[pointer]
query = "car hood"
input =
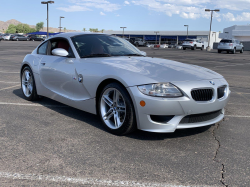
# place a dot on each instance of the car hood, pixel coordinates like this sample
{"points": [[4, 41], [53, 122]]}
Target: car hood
{"points": [[159, 70]]}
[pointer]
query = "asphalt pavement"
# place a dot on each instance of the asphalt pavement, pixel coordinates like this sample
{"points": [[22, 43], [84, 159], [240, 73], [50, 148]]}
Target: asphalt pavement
{"points": [[46, 143]]}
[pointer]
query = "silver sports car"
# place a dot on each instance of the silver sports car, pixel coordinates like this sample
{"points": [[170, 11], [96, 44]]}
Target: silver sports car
{"points": [[106, 75]]}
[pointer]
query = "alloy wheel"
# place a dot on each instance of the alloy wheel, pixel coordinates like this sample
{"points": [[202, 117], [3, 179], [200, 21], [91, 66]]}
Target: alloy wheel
{"points": [[27, 83], [113, 108]]}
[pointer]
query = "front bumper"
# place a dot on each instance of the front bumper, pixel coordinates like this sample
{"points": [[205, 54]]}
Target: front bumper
{"points": [[178, 107]]}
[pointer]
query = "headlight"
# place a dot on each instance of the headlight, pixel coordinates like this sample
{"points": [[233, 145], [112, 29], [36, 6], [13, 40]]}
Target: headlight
{"points": [[160, 90]]}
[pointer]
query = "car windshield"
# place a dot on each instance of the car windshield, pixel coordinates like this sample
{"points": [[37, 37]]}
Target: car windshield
{"points": [[226, 41], [100, 45], [188, 40]]}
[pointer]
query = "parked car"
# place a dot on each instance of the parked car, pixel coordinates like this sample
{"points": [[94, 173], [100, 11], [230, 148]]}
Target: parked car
{"points": [[1, 36], [138, 42], [179, 47], [192, 44], [164, 46], [230, 45], [172, 45], [20, 38], [7, 36], [105, 75], [13, 36]]}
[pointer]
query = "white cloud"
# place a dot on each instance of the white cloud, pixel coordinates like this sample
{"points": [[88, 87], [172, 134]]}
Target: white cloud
{"points": [[126, 2], [74, 8], [102, 14], [83, 5], [171, 7], [232, 4], [244, 16]]}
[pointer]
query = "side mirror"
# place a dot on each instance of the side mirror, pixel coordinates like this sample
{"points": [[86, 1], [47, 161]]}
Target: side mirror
{"points": [[60, 52], [143, 53]]}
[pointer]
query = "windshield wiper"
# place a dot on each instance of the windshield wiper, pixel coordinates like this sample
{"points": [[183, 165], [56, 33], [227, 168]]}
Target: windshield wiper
{"points": [[96, 55], [132, 55]]}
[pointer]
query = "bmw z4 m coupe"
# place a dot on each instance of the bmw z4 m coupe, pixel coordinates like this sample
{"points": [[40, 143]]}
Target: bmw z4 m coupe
{"points": [[106, 75]]}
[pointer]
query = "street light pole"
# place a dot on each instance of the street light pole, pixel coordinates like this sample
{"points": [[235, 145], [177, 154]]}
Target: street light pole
{"points": [[123, 31], [212, 11], [47, 3], [60, 23], [156, 36], [187, 29]]}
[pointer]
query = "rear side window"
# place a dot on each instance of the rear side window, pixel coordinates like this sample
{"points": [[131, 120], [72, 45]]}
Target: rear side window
{"points": [[226, 41], [42, 50]]}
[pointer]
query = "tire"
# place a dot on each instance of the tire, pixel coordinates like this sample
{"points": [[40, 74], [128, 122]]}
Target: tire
{"points": [[227, 52], [202, 47], [219, 51], [242, 50], [184, 48], [125, 114], [33, 40], [27, 39], [30, 93], [234, 51], [16, 39], [137, 44]]}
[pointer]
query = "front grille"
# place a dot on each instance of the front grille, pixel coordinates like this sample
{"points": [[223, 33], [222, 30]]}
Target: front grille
{"points": [[221, 92], [202, 94], [196, 118]]}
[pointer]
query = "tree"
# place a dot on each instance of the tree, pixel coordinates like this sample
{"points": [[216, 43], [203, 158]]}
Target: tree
{"points": [[64, 29], [11, 29], [39, 26], [19, 28], [102, 30], [32, 30], [84, 29]]}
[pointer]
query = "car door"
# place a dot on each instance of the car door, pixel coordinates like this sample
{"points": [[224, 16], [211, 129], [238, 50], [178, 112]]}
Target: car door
{"points": [[56, 72]]}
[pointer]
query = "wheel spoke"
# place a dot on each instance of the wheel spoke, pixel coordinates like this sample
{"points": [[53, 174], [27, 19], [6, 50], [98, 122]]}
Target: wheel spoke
{"points": [[108, 115], [115, 97], [27, 75], [107, 100], [26, 90], [116, 120], [29, 87]]}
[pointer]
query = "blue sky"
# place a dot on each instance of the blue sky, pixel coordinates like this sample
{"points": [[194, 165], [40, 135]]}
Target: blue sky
{"points": [[134, 14]]}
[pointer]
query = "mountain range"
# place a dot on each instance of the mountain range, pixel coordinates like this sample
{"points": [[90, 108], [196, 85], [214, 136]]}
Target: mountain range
{"points": [[4, 26]]}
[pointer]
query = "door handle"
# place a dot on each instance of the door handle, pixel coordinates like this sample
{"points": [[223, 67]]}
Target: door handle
{"points": [[43, 63]]}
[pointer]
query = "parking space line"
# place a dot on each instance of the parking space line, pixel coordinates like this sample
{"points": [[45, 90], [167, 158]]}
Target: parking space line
{"points": [[235, 116], [8, 72], [9, 82], [84, 181], [9, 87], [27, 104]]}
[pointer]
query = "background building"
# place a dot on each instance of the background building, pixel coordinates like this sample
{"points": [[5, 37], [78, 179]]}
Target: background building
{"points": [[239, 32], [168, 36]]}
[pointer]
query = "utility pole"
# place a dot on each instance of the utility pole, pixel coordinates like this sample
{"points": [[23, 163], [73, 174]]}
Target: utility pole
{"points": [[60, 23], [187, 29], [212, 11], [156, 36], [123, 31], [47, 3]]}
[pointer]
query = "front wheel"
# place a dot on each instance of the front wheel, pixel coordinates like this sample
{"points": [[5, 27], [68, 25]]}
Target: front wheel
{"points": [[28, 85], [184, 48], [242, 50], [16, 39], [202, 47], [116, 109], [219, 51]]}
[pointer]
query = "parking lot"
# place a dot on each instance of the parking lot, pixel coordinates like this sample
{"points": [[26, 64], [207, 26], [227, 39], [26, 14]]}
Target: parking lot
{"points": [[47, 143]]}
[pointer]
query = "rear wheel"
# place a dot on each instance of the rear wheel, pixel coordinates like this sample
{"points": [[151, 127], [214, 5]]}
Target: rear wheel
{"points": [[219, 51], [184, 48], [16, 39], [202, 47], [242, 50], [116, 109], [28, 84], [234, 51], [137, 44]]}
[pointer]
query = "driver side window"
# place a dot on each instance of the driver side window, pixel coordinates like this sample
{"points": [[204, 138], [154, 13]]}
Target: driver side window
{"points": [[60, 43]]}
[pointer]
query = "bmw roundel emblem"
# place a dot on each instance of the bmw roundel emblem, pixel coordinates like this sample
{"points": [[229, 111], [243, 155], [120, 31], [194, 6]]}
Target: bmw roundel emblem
{"points": [[212, 82]]}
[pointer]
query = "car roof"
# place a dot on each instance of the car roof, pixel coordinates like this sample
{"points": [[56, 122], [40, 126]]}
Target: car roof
{"points": [[71, 34]]}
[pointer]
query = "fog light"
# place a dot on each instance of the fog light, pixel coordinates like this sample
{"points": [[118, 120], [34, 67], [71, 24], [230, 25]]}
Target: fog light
{"points": [[142, 103]]}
